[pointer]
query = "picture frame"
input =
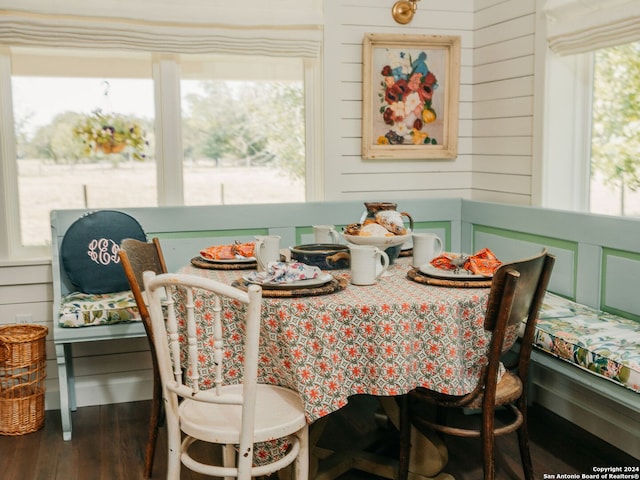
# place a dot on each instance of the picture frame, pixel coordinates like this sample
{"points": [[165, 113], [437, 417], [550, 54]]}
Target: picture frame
{"points": [[410, 96]]}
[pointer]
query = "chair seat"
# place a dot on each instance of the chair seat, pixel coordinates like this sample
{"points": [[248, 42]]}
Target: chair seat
{"points": [[279, 412], [508, 390]]}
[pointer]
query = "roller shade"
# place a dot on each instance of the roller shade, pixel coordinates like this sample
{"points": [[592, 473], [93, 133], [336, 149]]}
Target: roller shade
{"points": [[579, 26], [62, 30]]}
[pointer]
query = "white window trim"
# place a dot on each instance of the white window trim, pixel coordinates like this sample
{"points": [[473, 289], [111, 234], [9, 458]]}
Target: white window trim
{"points": [[567, 132], [9, 212]]}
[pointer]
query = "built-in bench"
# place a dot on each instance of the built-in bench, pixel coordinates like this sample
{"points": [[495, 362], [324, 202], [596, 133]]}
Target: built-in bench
{"points": [[597, 266]]}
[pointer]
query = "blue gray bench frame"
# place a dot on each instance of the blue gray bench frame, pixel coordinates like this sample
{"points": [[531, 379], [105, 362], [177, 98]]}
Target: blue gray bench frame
{"points": [[596, 257]]}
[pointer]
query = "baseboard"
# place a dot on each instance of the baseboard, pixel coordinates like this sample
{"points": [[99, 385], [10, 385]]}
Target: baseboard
{"points": [[104, 389], [591, 410]]}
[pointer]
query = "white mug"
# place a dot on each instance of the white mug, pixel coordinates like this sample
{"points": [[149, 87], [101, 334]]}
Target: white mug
{"points": [[368, 263], [267, 250], [426, 246], [325, 234]]}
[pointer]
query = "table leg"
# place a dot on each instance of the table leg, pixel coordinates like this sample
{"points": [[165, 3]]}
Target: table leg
{"points": [[429, 454]]}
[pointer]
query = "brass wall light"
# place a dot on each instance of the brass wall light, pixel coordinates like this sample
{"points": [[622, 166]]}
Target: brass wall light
{"points": [[403, 10]]}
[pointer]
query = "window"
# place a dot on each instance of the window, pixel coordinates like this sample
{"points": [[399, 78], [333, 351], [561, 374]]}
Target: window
{"points": [[591, 132], [241, 136], [588, 97], [57, 167], [615, 139], [243, 129]]}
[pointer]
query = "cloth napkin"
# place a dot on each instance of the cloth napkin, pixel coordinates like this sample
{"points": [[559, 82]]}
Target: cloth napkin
{"points": [[484, 262], [283, 272]]}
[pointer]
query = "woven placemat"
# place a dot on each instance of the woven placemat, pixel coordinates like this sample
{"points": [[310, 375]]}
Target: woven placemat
{"points": [[200, 263], [417, 276], [335, 285]]}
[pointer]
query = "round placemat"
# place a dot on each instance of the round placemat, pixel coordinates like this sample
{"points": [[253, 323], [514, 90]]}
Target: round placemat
{"points": [[200, 263], [417, 276], [335, 285]]}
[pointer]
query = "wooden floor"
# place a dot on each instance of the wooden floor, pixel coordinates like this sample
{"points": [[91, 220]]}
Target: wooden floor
{"points": [[108, 444]]}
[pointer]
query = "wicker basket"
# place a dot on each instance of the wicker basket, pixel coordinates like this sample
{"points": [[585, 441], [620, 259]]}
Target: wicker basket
{"points": [[22, 375]]}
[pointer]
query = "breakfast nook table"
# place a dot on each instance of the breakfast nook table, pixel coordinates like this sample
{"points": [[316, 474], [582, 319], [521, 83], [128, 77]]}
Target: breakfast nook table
{"points": [[382, 340]]}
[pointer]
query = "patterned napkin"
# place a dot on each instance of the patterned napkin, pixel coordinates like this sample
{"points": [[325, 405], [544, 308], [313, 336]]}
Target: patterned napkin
{"points": [[484, 262], [283, 272]]}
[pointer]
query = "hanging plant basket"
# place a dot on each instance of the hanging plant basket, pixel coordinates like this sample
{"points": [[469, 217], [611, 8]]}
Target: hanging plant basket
{"points": [[107, 148], [109, 133]]}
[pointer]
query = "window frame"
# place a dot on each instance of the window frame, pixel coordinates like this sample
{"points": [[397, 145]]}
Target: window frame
{"points": [[169, 155], [566, 120]]}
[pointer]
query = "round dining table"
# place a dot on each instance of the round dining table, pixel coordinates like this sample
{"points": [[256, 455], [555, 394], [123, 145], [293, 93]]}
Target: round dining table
{"points": [[384, 339]]}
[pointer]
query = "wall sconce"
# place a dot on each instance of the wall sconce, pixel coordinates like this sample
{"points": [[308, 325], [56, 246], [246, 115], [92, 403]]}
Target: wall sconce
{"points": [[403, 10]]}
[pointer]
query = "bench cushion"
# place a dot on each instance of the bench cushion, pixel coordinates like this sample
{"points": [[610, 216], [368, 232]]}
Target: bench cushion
{"points": [[82, 309], [604, 344]]}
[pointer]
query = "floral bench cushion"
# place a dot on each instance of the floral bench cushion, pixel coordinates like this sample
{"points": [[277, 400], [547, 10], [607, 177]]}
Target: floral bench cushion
{"points": [[85, 309], [604, 344]]}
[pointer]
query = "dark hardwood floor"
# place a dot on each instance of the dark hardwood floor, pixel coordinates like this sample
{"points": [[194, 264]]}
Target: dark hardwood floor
{"points": [[108, 444]]}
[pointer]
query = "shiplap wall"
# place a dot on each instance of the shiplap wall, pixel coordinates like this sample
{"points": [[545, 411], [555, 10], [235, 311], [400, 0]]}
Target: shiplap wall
{"points": [[494, 161], [503, 86], [348, 176]]}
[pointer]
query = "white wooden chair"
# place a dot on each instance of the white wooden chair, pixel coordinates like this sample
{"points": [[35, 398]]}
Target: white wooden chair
{"points": [[235, 416]]}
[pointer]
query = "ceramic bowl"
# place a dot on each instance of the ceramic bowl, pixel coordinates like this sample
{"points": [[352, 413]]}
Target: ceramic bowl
{"points": [[327, 256]]}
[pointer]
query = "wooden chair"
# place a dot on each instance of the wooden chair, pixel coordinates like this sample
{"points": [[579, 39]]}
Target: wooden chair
{"points": [[136, 258], [235, 416], [517, 292]]}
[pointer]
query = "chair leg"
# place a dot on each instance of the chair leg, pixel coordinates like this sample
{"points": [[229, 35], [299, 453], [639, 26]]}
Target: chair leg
{"points": [[154, 422], [488, 444], [523, 442], [229, 458], [405, 438], [301, 470], [173, 449]]}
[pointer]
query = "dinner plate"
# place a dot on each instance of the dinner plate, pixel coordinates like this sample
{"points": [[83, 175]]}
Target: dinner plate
{"points": [[460, 274], [238, 259], [321, 279]]}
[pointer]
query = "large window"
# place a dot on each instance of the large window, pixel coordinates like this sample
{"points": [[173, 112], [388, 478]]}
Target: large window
{"points": [[238, 135], [243, 129], [615, 138], [592, 131], [63, 105]]}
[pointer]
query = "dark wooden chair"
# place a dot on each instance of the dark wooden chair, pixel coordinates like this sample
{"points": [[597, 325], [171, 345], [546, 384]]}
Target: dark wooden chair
{"points": [[517, 292], [138, 257]]}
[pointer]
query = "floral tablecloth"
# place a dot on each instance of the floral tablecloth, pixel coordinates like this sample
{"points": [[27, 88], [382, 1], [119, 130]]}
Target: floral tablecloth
{"points": [[384, 339]]}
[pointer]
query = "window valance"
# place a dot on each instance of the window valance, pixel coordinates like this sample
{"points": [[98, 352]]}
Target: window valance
{"points": [[62, 30], [579, 26]]}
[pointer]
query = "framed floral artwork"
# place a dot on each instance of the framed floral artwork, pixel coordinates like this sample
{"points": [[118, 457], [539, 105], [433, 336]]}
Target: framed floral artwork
{"points": [[410, 96]]}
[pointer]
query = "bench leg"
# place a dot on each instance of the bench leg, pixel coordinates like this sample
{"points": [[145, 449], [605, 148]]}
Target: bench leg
{"points": [[66, 385]]}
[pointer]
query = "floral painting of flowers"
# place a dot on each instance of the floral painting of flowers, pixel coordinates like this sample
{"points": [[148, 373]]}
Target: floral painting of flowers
{"points": [[410, 96], [406, 96]]}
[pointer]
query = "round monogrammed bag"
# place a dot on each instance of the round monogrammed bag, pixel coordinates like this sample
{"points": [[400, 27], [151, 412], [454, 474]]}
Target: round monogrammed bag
{"points": [[90, 248]]}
